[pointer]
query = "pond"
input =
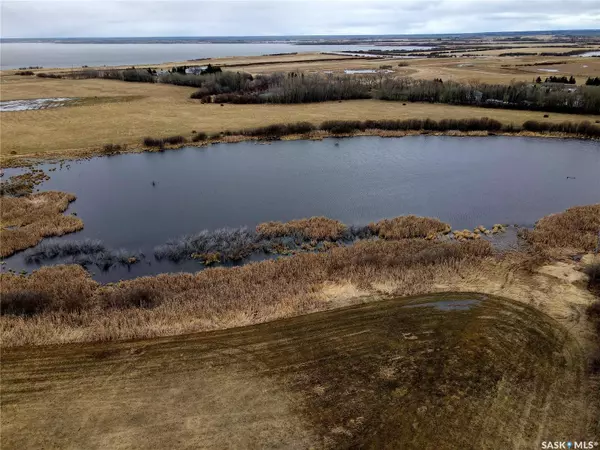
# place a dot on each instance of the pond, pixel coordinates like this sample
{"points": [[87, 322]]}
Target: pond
{"points": [[139, 201]]}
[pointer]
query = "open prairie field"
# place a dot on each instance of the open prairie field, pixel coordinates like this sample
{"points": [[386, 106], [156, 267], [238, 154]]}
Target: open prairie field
{"points": [[117, 112], [446, 371]]}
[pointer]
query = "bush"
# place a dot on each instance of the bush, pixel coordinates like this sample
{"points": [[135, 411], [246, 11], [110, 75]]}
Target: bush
{"points": [[279, 129], [112, 149], [137, 75], [584, 128], [24, 303], [25, 73], [136, 297], [342, 126], [174, 140], [48, 75], [152, 142], [200, 136], [171, 140]]}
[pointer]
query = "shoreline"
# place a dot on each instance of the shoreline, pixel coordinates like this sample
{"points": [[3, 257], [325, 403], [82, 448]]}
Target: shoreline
{"points": [[30, 160]]}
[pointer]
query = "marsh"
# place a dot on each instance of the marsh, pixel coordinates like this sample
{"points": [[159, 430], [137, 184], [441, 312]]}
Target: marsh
{"points": [[140, 201]]}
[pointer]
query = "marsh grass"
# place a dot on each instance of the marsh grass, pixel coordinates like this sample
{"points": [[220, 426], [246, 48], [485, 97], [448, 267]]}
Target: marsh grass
{"points": [[232, 244], [33, 218], [319, 228], [23, 184], [407, 227], [85, 252], [171, 140], [576, 229], [223, 297]]}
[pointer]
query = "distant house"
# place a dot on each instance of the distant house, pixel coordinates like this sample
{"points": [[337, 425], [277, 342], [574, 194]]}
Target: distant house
{"points": [[196, 70]]}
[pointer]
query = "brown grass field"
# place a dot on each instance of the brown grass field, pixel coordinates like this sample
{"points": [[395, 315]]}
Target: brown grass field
{"points": [[497, 375]]}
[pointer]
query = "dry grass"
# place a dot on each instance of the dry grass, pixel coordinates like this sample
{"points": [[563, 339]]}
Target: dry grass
{"points": [[90, 126], [318, 228], [575, 229], [223, 298], [483, 378], [407, 227], [27, 220]]}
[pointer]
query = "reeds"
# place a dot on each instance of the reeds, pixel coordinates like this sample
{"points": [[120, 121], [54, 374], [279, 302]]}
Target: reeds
{"points": [[576, 229], [318, 228], [232, 244], [222, 297], [85, 252], [407, 227], [27, 220], [161, 142]]}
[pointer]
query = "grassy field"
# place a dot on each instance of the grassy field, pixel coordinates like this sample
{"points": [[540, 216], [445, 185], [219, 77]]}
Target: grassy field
{"points": [[164, 110], [494, 374]]}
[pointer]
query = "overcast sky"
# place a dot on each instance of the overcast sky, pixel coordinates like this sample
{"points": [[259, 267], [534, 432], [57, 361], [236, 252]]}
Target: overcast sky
{"points": [[108, 18]]}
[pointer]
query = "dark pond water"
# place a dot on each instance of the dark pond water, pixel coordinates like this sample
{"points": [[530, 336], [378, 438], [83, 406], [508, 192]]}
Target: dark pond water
{"points": [[466, 181]]}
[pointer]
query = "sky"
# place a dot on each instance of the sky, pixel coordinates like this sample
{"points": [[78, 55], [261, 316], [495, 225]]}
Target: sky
{"points": [[141, 18]]}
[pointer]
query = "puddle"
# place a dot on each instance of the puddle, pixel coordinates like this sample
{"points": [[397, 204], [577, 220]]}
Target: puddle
{"points": [[448, 305], [548, 70], [353, 71], [38, 103]]}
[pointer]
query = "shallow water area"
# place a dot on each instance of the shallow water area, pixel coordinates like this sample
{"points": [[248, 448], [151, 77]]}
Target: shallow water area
{"points": [[37, 103]]}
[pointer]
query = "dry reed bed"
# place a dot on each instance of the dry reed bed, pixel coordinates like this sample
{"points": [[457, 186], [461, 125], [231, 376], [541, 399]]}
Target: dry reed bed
{"points": [[78, 309], [34, 217], [576, 229], [406, 227], [318, 228]]}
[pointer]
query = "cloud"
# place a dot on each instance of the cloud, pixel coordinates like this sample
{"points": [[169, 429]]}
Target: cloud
{"points": [[106, 18]]}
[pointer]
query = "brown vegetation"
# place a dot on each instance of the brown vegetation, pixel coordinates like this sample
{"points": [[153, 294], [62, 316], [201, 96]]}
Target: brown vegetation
{"points": [[222, 298], [27, 220], [575, 229], [407, 227], [318, 228]]}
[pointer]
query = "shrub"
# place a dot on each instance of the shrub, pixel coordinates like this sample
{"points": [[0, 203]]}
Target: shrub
{"points": [[152, 142], [112, 149], [342, 126], [24, 303], [48, 75], [175, 140], [279, 129], [135, 297], [200, 136], [584, 128], [25, 73]]}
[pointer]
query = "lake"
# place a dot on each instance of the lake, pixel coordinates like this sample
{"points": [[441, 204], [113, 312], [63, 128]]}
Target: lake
{"points": [[46, 54], [139, 201]]}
